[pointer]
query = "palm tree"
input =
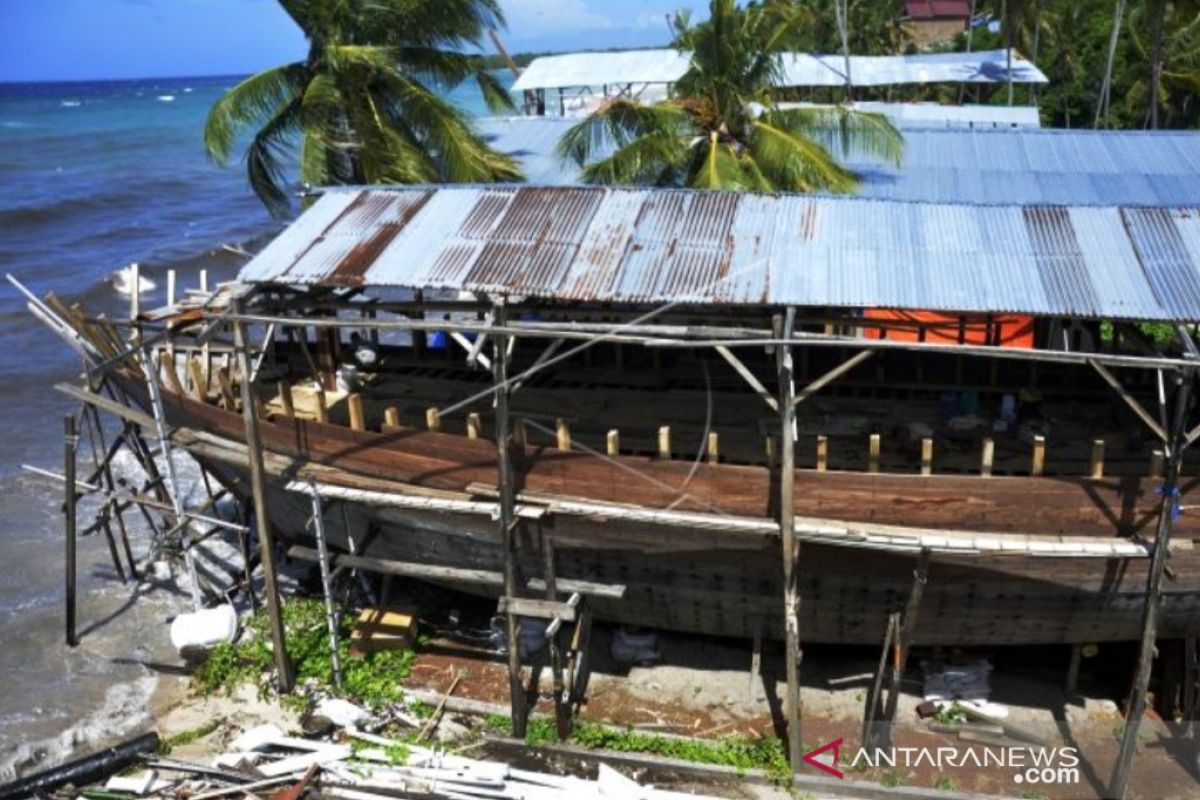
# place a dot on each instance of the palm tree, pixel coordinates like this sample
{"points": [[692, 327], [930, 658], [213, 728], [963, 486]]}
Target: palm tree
{"points": [[722, 128], [362, 107]]}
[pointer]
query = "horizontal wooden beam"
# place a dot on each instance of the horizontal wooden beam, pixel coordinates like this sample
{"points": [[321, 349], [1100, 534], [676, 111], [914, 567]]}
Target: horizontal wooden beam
{"points": [[105, 404], [541, 609]]}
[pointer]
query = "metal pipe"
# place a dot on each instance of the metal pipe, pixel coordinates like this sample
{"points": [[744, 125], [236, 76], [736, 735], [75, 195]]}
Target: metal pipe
{"points": [[70, 438], [326, 581]]}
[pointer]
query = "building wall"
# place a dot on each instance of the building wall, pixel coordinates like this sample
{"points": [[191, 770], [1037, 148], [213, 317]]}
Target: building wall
{"points": [[928, 31]]}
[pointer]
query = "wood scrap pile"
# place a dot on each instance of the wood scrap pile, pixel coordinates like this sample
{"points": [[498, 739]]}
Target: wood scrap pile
{"points": [[266, 764]]}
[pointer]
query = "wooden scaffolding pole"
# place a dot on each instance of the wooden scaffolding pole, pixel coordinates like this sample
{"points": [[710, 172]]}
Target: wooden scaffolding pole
{"points": [[70, 438], [787, 530], [508, 518], [258, 490], [1168, 510]]}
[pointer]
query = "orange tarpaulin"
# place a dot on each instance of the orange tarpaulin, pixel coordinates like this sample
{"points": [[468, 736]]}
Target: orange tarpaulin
{"points": [[1002, 330]]}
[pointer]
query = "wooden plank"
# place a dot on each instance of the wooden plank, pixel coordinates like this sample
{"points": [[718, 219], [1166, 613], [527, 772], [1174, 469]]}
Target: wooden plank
{"points": [[988, 456], [225, 385], [391, 417], [474, 425], [433, 419], [562, 433], [541, 609], [873, 454], [664, 442], [199, 388], [612, 442], [104, 404], [520, 435], [167, 363], [354, 405], [926, 457], [322, 405], [1156, 464], [1096, 468], [822, 453], [713, 448], [790, 549], [1038, 463]]}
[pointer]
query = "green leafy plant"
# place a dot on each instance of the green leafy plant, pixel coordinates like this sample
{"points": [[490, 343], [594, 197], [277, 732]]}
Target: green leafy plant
{"points": [[946, 784], [952, 714], [182, 738], [372, 679], [892, 779]]}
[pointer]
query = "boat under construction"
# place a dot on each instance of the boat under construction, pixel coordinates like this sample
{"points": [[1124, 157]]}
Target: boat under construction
{"points": [[704, 411]]}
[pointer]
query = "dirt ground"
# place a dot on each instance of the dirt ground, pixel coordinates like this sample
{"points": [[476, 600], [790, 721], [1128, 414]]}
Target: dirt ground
{"points": [[704, 687]]}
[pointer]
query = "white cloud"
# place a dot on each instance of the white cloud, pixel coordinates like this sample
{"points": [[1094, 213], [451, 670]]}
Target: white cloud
{"points": [[528, 18]]}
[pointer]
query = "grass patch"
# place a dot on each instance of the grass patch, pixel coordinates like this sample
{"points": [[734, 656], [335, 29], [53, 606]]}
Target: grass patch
{"points": [[741, 753], [946, 784], [182, 738], [893, 779], [371, 680]]}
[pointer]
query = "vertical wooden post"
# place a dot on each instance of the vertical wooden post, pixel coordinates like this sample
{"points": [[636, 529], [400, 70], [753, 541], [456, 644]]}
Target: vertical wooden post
{"points": [[822, 453], [262, 519], [989, 454], [508, 518], [322, 406], [562, 434], [1038, 465], [1167, 511], [873, 454], [391, 417], [204, 281], [167, 362], [1096, 468], [354, 405], [199, 384], [905, 637], [433, 420], [520, 436], [70, 439], [135, 301], [714, 448], [787, 531], [1156, 464], [927, 457], [285, 398], [474, 425], [612, 442], [1072, 682], [664, 442], [170, 288]]}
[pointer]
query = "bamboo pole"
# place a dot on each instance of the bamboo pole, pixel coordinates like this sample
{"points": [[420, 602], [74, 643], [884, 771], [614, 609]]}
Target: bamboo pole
{"points": [[927, 457], [714, 448], [262, 517], [822, 453], [873, 454], [562, 433], [612, 442], [1096, 468], [664, 442], [1038, 464]]}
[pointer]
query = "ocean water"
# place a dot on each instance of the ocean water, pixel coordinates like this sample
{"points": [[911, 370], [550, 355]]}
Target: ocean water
{"points": [[94, 176]]}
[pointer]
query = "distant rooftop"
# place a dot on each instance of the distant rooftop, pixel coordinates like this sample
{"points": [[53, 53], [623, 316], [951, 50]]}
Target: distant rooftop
{"points": [[1021, 166], [665, 66], [937, 9]]}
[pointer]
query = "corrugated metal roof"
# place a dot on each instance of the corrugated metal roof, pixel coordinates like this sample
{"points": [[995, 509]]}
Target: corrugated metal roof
{"points": [[661, 245], [799, 69], [1018, 166], [935, 115]]}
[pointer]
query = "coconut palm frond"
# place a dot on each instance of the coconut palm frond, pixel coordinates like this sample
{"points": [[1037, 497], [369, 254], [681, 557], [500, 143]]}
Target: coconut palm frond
{"points": [[795, 163], [266, 154], [851, 134], [616, 124], [252, 102], [718, 166], [654, 159]]}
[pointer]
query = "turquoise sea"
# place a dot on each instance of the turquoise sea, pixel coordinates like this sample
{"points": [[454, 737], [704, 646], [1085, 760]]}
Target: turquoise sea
{"points": [[93, 176]]}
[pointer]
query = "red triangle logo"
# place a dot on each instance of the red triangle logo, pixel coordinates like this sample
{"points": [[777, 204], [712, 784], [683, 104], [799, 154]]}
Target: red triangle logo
{"points": [[810, 758]]}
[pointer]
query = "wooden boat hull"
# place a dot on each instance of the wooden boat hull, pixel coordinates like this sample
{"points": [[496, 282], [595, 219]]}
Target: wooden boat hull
{"points": [[711, 582]]}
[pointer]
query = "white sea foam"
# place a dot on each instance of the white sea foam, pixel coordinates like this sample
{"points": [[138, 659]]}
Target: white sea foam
{"points": [[123, 711], [166, 98], [71, 103], [122, 281]]}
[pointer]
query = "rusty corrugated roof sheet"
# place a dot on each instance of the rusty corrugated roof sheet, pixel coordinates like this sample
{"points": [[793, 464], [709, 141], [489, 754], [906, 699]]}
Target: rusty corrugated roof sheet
{"points": [[661, 245]]}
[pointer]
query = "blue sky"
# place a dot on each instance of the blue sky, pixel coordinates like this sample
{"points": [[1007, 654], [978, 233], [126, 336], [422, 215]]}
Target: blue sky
{"points": [[86, 39]]}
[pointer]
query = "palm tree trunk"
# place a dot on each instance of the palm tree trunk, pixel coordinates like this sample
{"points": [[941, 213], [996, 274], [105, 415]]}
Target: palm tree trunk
{"points": [[1159, 9], [843, 11], [962, 87], [1006, 22], [1037, 44], [1106, 88]]}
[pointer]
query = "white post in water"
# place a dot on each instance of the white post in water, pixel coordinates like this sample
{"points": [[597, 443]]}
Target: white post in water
{"points": [[170, 288]]}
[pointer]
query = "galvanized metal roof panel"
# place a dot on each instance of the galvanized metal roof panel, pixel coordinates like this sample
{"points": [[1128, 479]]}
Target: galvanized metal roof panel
{"points": [[593, 70], [655, 246]]}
